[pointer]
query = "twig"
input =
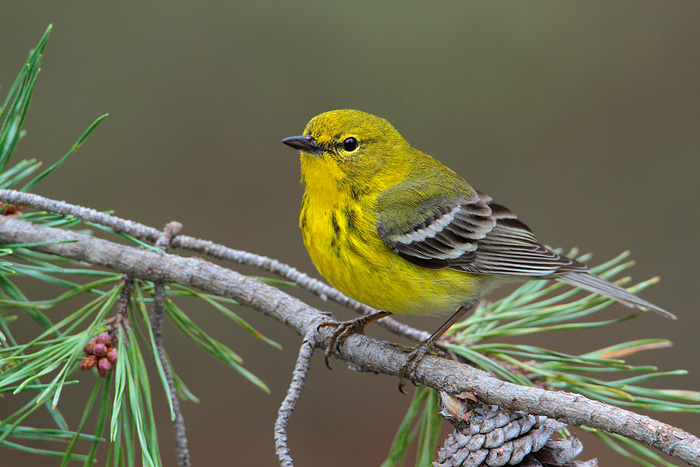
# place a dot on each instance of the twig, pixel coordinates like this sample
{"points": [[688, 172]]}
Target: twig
{"points": [[168, 236], [146, 233], [160, 296], [121, 320], [301, 370], [359, 352]]}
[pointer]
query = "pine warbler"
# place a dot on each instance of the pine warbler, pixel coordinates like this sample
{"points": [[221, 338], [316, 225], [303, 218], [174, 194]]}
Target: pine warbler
{"points": [[395, 229]]}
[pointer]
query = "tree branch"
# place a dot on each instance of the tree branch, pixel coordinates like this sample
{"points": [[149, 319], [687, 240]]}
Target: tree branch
{"points": [[146, 233], [359, 352], [160, 296], [301, 370]]}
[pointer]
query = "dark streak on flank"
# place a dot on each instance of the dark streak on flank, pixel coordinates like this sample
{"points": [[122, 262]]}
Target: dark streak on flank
{"points": [[335, 246], [304, 209], [351, 217], [336, 227], [357, 192]]}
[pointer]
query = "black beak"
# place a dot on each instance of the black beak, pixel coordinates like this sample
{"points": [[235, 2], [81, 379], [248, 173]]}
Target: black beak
{"points": [[304, 143]]}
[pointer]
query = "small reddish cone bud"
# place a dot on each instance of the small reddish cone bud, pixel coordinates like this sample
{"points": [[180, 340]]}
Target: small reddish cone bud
{"points": [[112, 355], [88, 362], [90, 346], [104, 338], [100, 350], [103, 366]]}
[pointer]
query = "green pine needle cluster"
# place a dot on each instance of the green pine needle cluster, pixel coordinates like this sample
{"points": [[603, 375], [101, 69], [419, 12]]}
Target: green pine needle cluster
{"points": [[120, 405], [538, 307], [541, 306]]}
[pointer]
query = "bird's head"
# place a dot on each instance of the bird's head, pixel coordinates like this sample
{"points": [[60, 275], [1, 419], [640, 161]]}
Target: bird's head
{"points": [[356, 142]]}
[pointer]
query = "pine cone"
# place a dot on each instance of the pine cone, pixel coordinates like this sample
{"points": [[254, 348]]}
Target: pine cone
{"points": [[490, 436]]}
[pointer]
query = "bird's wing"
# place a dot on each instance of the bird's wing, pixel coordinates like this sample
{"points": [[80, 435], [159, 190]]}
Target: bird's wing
{"points": [[467, 232], [470, 232]]}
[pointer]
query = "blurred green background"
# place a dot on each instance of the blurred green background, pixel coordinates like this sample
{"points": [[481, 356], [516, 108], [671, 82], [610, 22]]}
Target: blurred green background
{"points": [[582, 117]]}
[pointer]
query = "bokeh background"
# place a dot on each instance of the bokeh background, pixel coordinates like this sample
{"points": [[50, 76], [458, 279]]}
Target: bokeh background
{"points": [[582, 117]]}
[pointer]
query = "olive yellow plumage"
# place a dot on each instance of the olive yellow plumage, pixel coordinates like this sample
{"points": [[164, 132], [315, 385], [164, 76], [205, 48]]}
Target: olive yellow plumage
{"points": [[395, 229], [339, 226]]}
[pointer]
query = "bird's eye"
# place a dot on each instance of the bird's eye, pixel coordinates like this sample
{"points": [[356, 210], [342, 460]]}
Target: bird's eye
{"points": [[350, 144]]}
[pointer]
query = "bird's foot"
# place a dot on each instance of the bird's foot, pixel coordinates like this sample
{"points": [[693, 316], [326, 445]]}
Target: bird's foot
{"points": [[415, 356], [344, 329]]}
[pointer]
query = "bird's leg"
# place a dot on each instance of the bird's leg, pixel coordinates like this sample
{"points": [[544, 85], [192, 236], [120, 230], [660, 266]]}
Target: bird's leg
{"points": [[344, 329], [419, 352]]}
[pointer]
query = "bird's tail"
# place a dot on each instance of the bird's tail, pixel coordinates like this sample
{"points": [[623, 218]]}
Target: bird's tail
{"points": [[587, 281]]}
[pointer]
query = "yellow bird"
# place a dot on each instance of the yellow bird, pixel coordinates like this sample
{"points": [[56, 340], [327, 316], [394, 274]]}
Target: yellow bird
{"points": [[391, 227]]}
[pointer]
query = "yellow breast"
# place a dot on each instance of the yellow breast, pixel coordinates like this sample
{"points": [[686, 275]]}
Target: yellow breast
{"points": [[339, 229]]}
